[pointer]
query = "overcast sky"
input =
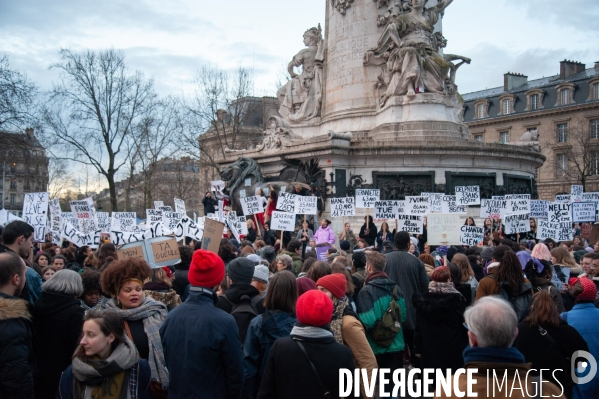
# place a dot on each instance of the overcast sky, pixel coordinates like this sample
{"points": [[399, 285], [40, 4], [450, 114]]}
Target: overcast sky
{"points": [[169, 40]]}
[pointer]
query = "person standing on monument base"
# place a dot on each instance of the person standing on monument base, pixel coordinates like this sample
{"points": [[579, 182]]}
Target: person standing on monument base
{"points": [[324, 234], [368, 232], [210, 203]]}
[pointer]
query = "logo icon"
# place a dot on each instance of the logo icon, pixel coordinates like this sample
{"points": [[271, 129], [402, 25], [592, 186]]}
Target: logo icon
{"points": [[583, 363]]}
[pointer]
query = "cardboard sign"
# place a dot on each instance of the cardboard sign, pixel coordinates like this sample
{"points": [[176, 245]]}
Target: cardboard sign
{"points": [[467, 195], [517, 204], [286, 202], [435, 201], [576, 193], [306, 205], [134, 250], [180, 206], [416, 205], [123, 221], [584, 212], [449, 205], [560, 212], [157, 252], [35, 213], [367, 198], [126, 237], [443, 229], [282, 221], [563, 198], [561, 231], [515, 224], [213, 233], [471, 235], [493, 208], [251, 205], [539, 209], [413, 224], [342, 207], [385, 210]]}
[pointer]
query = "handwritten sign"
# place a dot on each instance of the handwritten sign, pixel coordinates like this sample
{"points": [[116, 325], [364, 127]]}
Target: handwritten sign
{"points": [[449, 205], [342, 207], [126, 237], [251, 205], [435, 201], [282, 221], [217, 185], [467, 195], [104, 221], [213, 233], [443, 228], [471, 235], [584, 212], [156, 251], [80, 239], [158, 204], [493, 208], [306, 205], [134, 250], [560, 212], [166, 250], [188, 228], [413, 224], [35, 213], [55, 220], [180, 206], [286, 202], [539, 209], [154, 216], [517, 204], [416, 205], [563, 198], [123, 221], [590, 197], [366, 198], [171, 220], [385, 210], [576, 193], [561, 231], [516, 223]]}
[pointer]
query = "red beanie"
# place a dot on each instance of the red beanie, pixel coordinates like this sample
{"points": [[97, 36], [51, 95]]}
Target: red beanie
{"points": [[206, 270], [314, 308], [590, 290], [335, 283]]}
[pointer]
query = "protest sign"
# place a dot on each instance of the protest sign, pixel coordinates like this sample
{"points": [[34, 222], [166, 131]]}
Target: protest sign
{"points": [[251, 205], [471, 235], [6, 217], [443, 228], [104, 221], [85, 214], [518, 223], [385, 210], [157, 252], [413, 224], [342, 207], [35, 213], [321, 252], [561, 231], [179, 206], [241, 225], [590, 197], [242, 193], [449, 205], [467, 195], [123, 221], [517, 204], [80, 239], [68, 217], [584, 212], [133, 250], [188, 228], [55, 220], [282, 221], [166, 208], [233, 229], [416, 205], [563, 198], [171, 220], [158, 204], [576, 193], [366, 198], [585, 230], [286, 202], [539, 209], [213, 233], [306, 205], [560, 212], [492, 208], [434, 201], [126, 237], [154, 216], [217, 185]]}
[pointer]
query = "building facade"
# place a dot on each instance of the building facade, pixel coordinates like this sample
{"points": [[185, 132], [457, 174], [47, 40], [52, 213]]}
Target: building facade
{"points": [[563, 110]]}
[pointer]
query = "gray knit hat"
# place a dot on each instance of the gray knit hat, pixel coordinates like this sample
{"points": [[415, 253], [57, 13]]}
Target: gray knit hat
{"points": [[241, 270], [261, 274], [267, 253]]}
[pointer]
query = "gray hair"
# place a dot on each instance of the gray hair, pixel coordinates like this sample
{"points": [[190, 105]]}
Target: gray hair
{"points": [[65, 282], [286, 259], [493, 321]]}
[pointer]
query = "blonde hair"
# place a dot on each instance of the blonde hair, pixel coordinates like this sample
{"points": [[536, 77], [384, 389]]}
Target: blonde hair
{"points": [[461, 261], [563, 257], [250, 223]]}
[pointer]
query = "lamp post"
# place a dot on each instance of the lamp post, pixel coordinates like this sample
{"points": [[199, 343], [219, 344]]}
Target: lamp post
{"points": [[4, 175]]}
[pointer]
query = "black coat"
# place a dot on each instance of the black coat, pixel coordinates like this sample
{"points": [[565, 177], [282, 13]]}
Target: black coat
{"points": [[371, 237], [16, 349], [251, 235], [57, 322], [288, 373], [180, 282], [440, 335], [209, 204], [478, 271]]}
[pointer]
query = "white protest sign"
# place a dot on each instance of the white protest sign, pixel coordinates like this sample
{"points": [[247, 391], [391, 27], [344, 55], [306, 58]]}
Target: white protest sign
{"points": [[563, 198], [467, 195], [242, 225], [154, 216], [242, 193], [385, 210], [342, 207], [68, 217], [492, 208], [366, 198], [81, 209], [85, 214], [584, 212], [576, 193], [515, 224], [251, 205], [217, 185], [413, 224], [560, 212], [221, 211], [471, 235], [55, 220], [165, 208], [80, 239], [158, 204], [443, 228], [449, 205], [171, 220], [590, 197], [179, 205], [233, 229], [126, 237], [434, 201], [6, 217], [561, 231], [401, 207], [517, 204], [282, 221], [248, 182], [306, 205], [539, 209], [416, 205], [286, 202], [188, 228], [123, 221], [104, 222], [35, 212]]}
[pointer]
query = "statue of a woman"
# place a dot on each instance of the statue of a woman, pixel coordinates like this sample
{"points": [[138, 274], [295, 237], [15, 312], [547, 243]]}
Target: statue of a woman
{"points": [[407, 47], [301, 97]]}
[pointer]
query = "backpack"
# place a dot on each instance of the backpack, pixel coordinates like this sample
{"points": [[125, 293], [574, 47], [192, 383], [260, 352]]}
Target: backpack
{"points": [[386, 328], [360, 278], [520, 303], [244, 312]]}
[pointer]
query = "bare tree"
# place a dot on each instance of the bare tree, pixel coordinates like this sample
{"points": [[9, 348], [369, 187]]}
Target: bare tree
{"points": [[59, 178], [92, 112], [17, 96], [179, 178]]}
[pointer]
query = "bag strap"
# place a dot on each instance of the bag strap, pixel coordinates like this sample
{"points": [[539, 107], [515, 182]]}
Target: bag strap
{"points": [[327, 394], [545, 334], [127, 330]]}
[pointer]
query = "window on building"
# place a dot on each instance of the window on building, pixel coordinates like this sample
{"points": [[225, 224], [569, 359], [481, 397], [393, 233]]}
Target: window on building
{"points": [[594, 167], [27, 185], [481, 111], [561, 162], [534, 102], [507, 106], [565, 96], [562, 133], [504, 137], [596, 91], [595, 128], [478, 137], [13, 199], [13, 183]]}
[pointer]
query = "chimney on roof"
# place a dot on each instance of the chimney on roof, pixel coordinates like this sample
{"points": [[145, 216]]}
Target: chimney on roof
{"points": [[29, 132], [569, 68], [512, 80], [596, 64]]}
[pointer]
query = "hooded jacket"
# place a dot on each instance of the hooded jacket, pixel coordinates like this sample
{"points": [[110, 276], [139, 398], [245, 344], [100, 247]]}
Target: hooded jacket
{"points": [[297, 261], [373, 301], [489, 285], [324, 235], [16, 349], [57, 322], [162, 293], [263, 331], [234, 294]]}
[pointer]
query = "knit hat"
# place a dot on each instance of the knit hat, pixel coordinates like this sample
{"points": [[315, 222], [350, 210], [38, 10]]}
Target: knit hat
{"points": [[304, 284], [241, 270], [487, 254], [267, 253], [254, 258], [261, 274], [590, 290], [345, 245], [314, 308], [335, 283], [206, 270], [168, 271], [451, 252]]}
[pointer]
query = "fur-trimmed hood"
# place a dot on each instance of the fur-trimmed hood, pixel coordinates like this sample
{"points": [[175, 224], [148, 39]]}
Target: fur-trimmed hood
{"points": [[13, 308]]}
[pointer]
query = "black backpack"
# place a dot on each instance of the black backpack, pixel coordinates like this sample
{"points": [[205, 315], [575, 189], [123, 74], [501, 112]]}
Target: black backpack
{"points": [[520, 303], [388, 326], [244, 312]]}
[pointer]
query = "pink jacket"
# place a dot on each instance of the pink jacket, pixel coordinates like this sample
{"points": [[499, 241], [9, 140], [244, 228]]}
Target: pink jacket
{"points": [[324, 235]]}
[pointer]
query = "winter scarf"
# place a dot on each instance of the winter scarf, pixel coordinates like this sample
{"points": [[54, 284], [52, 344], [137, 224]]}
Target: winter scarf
{"points": [[337, 319], [493, 355], [153, 314], [302, 331], [99, 305], [374, 275], [105, 376], [442, 288]]}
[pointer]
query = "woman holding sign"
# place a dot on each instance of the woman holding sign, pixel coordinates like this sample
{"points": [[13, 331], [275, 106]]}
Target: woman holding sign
{"points": [[368, 231], [384, 235], [271, 204]]}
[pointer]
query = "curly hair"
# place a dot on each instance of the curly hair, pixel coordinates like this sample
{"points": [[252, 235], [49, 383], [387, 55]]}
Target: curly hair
{"points": [[121, 271], [186, 253], [91, 281], [510, 271]]}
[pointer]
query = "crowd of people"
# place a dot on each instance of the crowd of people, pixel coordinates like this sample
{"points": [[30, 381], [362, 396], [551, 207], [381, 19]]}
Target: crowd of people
{"points": [[265, 317]]}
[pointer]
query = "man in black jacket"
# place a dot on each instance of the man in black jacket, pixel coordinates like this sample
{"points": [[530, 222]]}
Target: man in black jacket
{"points": [[16, 350], [210, 204]]}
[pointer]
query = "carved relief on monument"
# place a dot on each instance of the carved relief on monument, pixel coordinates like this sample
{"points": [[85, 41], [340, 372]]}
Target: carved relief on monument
{"points": [[341, 5], [301, 97], [530, 139], [276, 134], [486, 182], [397, 186]]}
